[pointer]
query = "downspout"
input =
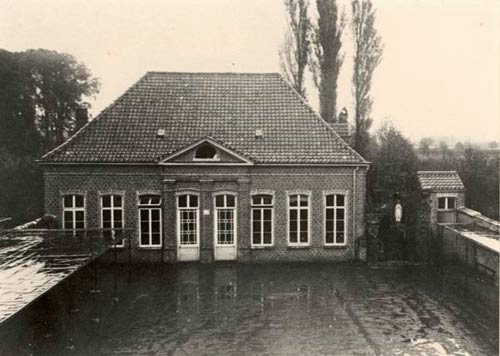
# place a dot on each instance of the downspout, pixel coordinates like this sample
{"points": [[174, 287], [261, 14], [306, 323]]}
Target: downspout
{"points": [[354, 211]]}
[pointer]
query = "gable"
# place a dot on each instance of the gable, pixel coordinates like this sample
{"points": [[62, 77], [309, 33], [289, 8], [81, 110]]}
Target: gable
{"points": [[206, 152]]}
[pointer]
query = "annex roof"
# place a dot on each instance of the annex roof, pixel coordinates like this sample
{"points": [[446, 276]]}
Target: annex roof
{"points": [[440, 180], [228, 107]]}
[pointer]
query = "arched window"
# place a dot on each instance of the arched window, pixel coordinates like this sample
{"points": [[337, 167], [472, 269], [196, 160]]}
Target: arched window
{"points": [[225, 219], [188, 219], [206, 152]]}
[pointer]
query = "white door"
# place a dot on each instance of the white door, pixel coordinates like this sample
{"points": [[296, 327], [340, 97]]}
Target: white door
{"points": [[188, 227], [225, 227]]}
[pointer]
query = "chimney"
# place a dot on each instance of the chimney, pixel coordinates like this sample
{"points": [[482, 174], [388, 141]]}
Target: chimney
{"points": [[81, 118], [341, 126]]}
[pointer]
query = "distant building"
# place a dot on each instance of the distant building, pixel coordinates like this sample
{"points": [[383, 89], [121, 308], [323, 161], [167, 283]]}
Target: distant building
{"points": [[212, 166]]}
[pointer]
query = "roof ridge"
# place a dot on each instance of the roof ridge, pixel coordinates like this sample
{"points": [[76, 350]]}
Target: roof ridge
{"points": [[214, 73], [99, 116], [322, 121], [438, 172]]}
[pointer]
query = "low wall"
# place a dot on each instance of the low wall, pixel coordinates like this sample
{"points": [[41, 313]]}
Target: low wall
{"points": [[469, 216], [458, 247]]}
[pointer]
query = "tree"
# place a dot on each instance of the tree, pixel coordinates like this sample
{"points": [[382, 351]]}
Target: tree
{"points": [[459, 147], [17, 125], [39, 93], [394, 166], [481, 179], [327, 43], [443, 148], [493, 145], [424, 146], [58, 86], [394, 173], [367, 55], [294, 52]]}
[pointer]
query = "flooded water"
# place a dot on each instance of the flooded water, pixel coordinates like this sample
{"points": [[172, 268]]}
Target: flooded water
{"points": [[32, 262], [285, 309]]}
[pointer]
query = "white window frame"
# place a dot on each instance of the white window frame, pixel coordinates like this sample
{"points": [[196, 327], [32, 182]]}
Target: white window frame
{"points": [[261, 208], [446, 196], [309, 218], [112, 208], [235, 217], [346, 216], [73, 209], [178, 219], [149, 208]]}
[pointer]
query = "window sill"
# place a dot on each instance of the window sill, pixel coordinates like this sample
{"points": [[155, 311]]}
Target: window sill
{"points": [[340, 247], [298, 247], [262, 247], [149, 247]]}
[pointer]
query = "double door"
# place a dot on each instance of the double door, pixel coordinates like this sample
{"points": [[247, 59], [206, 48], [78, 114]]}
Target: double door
{"points": [[224, 227]]}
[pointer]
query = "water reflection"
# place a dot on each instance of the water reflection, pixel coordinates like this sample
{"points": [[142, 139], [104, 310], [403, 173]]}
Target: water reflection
{"points": [[248, 310]]}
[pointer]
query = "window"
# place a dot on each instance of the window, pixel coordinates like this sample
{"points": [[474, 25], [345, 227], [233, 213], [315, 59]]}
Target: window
{"points": [[187, 219], [447, 203], [73, 212], [206, 152], [149, 221], [262, 220], [298, 219], [335, 219], [225, 215], [112, 216]]}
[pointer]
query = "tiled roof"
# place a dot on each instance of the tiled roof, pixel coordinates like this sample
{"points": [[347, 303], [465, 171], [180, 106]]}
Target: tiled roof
{"points": [[229, 107], [440, 180], [341, 128]]}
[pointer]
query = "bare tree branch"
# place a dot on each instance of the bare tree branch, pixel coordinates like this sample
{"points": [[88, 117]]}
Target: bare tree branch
{"points": [[294, 51]]}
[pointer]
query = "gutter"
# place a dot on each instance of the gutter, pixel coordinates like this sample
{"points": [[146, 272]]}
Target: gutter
{"points": [[354, 210]]}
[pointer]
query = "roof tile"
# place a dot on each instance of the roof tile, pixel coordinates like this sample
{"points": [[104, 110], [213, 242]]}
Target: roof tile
{"points": [[440, 180]]}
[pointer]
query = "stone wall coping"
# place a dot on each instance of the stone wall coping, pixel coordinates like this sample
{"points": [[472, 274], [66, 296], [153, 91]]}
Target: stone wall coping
{"points": [[479, 218]]}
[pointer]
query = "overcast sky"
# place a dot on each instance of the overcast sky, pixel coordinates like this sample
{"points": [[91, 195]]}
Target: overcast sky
{"points": [[440, 75]]}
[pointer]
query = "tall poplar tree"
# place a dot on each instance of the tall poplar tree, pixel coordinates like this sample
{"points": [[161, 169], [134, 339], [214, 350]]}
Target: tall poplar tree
{"points": [[327, 44], [368, 50]]}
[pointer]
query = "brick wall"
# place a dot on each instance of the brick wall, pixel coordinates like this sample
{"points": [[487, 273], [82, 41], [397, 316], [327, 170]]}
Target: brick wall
{"points": [[205, 181]]}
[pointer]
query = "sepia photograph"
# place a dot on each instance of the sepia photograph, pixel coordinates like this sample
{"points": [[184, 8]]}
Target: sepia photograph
{"points": [[249, 177]]}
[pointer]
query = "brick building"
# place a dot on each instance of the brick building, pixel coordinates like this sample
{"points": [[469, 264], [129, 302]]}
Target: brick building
{"points": [[446, 194], [212, 166]]}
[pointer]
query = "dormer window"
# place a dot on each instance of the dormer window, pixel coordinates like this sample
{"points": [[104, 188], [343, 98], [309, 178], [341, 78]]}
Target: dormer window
{"points": [[206, 153]]}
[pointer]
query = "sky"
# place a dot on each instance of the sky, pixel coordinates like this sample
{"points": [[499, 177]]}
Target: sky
{"points": [[440, 73]]}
